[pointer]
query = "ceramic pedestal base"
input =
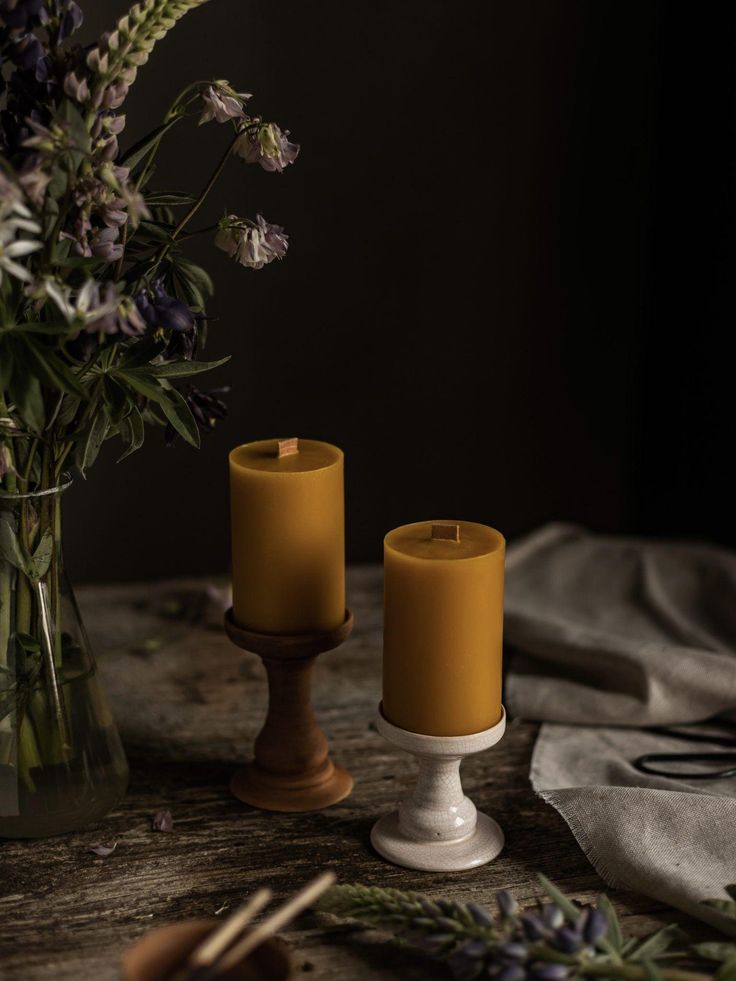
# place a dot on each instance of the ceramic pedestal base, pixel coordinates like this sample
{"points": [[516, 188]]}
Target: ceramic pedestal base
{"points": [[438, 829]]}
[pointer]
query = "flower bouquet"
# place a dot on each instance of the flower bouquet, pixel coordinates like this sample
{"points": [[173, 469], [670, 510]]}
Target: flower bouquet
{"points": [[102, 321]]}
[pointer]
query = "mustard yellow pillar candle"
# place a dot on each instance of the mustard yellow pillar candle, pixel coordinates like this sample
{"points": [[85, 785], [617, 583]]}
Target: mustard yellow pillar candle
{"points": [[288, 536], [443, 627]]}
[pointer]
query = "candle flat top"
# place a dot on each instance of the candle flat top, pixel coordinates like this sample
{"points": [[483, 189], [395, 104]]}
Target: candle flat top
{"points": [[416, 541], [264, 455]]}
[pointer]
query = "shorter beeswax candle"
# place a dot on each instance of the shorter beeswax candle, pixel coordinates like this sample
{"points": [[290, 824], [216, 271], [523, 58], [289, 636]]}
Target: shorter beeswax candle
{"points": [[443, 627], [288, 536]]}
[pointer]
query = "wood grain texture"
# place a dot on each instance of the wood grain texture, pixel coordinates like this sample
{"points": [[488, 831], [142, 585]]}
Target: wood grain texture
{"points": [[189, 705]]}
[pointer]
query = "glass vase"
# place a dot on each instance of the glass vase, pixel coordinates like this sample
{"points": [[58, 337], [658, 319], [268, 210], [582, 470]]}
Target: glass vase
{"points": [[61, 761]]}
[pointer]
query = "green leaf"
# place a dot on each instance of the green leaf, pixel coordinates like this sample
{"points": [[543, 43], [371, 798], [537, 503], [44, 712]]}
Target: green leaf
{"points": [[727, 971], [52, 370], [142, 352], [169, 198], [42, 555], [182, 369], [117, 400], [651, 971], [88, 450], [180, 416], [725, 906], [143, 381], [11, 549], [613, 940], [25, 391], [658, 943], [29, 644], [41, 328], [6, 366], [199, 276], [137, 152], [715, 950], [132, 432], [570, 909]]}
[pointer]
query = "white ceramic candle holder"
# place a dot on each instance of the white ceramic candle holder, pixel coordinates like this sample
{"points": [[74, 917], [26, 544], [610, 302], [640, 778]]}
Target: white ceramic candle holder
{"points": [[438, 828]]}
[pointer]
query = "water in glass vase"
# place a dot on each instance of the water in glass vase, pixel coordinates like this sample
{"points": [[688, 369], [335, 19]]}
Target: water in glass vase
{"points": [[61, 761]]}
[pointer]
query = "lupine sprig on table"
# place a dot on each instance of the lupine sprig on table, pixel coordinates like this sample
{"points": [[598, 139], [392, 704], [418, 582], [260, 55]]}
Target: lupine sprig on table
{"points": [[557, 941]]}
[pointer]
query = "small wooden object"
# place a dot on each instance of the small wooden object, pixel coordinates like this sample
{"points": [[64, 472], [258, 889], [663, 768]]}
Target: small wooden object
{"points": [[444, 531], [291, 770], [438, 828], [287, 447]]}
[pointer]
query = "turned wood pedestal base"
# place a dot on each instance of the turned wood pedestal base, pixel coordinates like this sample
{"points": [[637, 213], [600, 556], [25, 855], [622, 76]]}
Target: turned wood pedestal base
{"points": [[438, 828], [291, 770]]}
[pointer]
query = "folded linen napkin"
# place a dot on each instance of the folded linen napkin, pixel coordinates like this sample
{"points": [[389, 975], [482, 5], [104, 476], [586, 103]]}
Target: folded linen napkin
{"points": [[607, 635]]}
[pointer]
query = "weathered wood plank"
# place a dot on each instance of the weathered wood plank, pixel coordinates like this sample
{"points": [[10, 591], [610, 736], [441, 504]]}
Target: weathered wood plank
{"points": [[189, 705]]}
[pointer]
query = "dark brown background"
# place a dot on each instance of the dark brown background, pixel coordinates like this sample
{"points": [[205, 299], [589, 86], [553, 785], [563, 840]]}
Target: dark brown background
{"points": [[509, 282]]}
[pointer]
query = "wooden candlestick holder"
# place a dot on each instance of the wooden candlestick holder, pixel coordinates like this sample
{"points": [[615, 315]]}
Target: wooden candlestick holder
{"points": [[291, 770], [438, 828]]}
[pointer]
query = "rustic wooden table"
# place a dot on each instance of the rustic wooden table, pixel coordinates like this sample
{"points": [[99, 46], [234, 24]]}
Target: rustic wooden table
{"points": [[189, 705]]}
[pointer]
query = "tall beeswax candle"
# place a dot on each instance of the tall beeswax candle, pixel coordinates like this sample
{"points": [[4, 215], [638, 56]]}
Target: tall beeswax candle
{"points": [[443, 627], [288, 536]]}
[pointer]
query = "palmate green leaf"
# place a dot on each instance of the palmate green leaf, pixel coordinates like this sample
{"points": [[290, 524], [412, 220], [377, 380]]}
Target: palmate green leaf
{"points": [[183, 369], [143, 351], [133, 156], [151, 231], [180, 416], [52, 370], [142, 380], [199, 276], [6, 364], [132, 432], [117, 400], [89, 447]]}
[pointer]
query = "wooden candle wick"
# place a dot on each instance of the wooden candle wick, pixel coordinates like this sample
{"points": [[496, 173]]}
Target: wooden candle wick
{"points": [[291, 770], [445, 531], [287, 447]]}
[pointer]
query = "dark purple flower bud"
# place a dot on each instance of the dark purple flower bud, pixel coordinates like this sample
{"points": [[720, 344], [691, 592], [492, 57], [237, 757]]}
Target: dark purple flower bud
{"points": [[510, 972], [595, 926], [207, 410], [71, 21], [512, 950], [474, 949], [28, 52], [21, 14], [568, 939], [550, 972], [506, 903], [481, 916], [533, 926], [552, 916]]}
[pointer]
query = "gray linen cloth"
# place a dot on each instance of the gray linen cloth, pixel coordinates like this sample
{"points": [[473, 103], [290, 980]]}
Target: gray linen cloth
{"points": [[608, 635]]}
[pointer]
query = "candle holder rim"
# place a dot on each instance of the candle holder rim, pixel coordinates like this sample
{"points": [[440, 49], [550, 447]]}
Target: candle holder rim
{"points": [[288, 646], [422, 744]]}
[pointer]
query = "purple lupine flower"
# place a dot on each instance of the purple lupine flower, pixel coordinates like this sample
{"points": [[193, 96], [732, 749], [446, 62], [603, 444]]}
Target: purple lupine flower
{"points": [[206, 408], [76, 88], [552, 915], [268, 146], [595, 926], [20, 14], [104, 244], [123, 318], [550, 972], [161, 311], [220, 102], [507, 905], [71, 20]]}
